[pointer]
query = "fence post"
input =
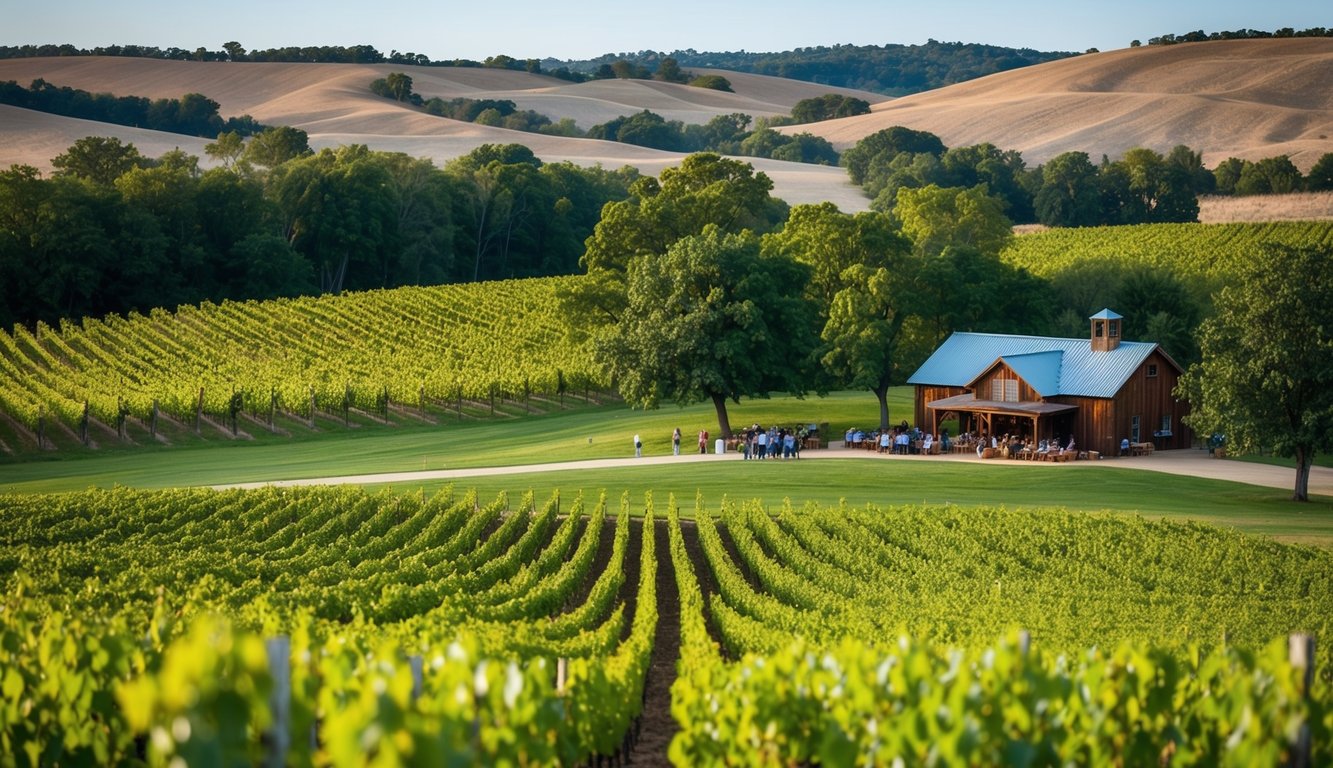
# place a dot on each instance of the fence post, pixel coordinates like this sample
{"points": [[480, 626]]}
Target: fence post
{"points": [[561, 675], [280, 700], [83, 424], [1024, 642], [199, 411], [1300, 652], [152, 429], [414, 664]]}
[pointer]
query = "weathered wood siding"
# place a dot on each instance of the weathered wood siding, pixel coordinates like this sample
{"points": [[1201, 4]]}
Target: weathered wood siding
{"points": [[1100, 424], [928, 394]]}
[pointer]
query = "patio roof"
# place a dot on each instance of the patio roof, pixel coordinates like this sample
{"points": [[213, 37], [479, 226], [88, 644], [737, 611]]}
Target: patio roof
{"points": [[968, 402]]}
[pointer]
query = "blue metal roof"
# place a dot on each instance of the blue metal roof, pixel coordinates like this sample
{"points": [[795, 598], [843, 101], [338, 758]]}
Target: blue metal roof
{"points": [[1106, 314], [1041, 370], [1079, 371]]}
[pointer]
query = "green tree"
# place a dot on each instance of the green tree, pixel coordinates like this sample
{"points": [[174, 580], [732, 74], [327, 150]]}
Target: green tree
{"points": [[883, 146], [400, 85], [712, 82], [711, 319], [1266, 375], [669, 71], [339, 211], [1158, 306], [1227, 174], [272, 147], [227, 149], [1320, 178], [1270, 176], [235, 51], [704, 189], [1158, 191], [1069, 192], [938, 217], [1201, 180], [98, 159], [862, 285]]}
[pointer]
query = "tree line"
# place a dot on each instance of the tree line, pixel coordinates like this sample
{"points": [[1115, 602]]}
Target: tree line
{"points": [[728, 134], [890, 69], [111, 231], [193, 114], [1199, 36], [1069, 190]]}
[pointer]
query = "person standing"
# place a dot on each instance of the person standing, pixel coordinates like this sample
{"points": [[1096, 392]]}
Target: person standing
{"points": [[703, 441], [675, 442], [638, 447]]}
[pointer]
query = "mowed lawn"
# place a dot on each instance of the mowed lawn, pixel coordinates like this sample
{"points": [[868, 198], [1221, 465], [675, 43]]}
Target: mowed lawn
{"points": [[607, 432]]}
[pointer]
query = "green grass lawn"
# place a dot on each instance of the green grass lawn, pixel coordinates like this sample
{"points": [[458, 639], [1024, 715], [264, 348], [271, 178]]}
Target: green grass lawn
{"points": [[607, 432], [585, 433]]}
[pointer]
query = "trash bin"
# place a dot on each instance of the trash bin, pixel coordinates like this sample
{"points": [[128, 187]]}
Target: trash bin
{"points": [[719, 446]]}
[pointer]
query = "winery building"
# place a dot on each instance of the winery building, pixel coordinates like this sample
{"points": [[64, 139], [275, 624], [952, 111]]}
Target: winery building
{"points": [[1101, 389]]}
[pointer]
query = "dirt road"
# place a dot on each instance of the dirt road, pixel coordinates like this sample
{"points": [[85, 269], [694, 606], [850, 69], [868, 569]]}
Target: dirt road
{"points": [[1188, 461]]}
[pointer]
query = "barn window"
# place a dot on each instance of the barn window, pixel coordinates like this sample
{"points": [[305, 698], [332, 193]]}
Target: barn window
{"points": [[1152, 370]]}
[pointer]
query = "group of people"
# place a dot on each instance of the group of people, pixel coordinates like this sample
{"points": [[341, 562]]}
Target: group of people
{"points": [[772, 443], [900, 440], [756, 442], [1018, 446]]}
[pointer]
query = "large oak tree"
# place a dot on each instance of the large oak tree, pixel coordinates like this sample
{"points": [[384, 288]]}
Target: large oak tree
{"points": [[1266, 378], [711, 319]]}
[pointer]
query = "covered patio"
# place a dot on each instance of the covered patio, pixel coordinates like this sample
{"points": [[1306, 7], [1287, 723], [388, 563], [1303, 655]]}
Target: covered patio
{"points": [[1031, 419]]}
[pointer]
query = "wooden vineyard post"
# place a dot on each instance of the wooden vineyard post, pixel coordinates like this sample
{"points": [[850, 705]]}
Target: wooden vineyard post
{"points": [[1300, 652], [199, 411], [561, 675], [493, 388], [312, 407], [421, 400], [459, 392], [1024, 642], [272, 406], [414, 663], [280, 700], [347, 405], [83, 424], [120, 418], [41, 431], [152, 424]]}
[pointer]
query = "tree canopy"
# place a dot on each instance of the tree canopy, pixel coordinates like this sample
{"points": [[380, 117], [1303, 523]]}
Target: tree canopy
{"points": [[711, 319], [1265, 380]]}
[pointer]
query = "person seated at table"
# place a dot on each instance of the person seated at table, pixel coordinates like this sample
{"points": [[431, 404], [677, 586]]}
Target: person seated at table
{"points": [[927, 444], [1124, 447], [981, 446]]}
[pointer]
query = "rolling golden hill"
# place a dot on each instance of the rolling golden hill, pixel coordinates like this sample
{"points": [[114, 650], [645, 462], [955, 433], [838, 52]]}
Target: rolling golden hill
{"points": [[333, 104], [1241, 98], [1244, 98]]}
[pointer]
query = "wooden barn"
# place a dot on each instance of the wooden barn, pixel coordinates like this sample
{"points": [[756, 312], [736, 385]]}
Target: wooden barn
{"points": [[1101, 390]]}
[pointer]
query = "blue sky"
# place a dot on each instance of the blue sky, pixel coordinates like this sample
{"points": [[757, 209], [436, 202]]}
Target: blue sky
{"points": [[446, 29]]}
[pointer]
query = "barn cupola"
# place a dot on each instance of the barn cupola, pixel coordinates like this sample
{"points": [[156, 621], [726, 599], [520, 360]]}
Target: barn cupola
{"points": [[1105, 331]]}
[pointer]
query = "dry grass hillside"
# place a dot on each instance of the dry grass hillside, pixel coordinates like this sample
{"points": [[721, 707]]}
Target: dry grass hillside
{"points": [[1243, 98], [333, 104]]}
